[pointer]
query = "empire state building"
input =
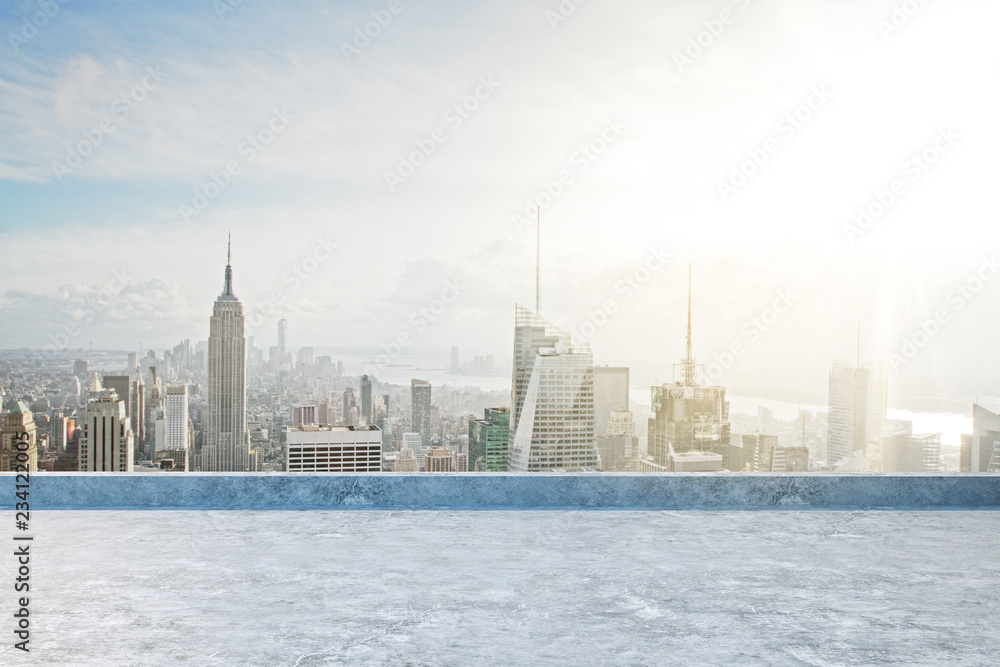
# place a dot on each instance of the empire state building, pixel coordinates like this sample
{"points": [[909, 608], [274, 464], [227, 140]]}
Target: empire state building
{"points": [[226, 447]]}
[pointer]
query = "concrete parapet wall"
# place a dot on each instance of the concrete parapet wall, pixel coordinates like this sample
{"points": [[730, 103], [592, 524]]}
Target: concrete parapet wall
{"points": [[274, 491]]}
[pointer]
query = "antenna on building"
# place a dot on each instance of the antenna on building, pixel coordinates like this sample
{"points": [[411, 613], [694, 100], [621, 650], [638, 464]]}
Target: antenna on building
{"points": [[538, 263], [689, 361], [227, 290]]}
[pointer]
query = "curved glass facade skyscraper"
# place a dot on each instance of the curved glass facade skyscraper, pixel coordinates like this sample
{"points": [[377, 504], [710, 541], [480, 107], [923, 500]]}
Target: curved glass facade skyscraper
{"points": [[552, 397]]}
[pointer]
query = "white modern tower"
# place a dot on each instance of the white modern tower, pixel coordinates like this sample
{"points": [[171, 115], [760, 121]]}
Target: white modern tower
{"points": [[226, 447], [552, 396]]}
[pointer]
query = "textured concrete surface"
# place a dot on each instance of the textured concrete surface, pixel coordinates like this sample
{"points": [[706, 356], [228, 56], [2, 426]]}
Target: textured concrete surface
{"points": [[505, 491], [511, 588]]}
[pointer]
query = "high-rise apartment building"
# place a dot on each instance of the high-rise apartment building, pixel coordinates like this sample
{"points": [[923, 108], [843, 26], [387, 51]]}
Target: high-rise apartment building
{"points": [[227, 447], [420, 410], [552, 398], [19, 421]]}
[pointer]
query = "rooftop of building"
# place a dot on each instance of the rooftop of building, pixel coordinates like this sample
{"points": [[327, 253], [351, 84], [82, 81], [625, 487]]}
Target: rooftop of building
{"points": [[334, 427], [697, 456], [527, 588]]}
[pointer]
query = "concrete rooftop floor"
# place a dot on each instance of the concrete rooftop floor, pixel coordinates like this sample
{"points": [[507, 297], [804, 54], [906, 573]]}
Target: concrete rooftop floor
{"points": [[511, 587]]}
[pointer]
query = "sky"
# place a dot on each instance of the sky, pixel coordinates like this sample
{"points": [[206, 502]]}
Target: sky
{"points": [[385, 184]]}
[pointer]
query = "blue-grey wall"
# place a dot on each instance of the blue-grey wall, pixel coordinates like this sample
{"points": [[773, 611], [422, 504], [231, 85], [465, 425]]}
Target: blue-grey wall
{"points": [[61, 491]]}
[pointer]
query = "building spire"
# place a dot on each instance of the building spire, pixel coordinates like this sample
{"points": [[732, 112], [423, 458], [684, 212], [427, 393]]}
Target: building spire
{"points": [[689, 362], [227, 290], [538, 263]]}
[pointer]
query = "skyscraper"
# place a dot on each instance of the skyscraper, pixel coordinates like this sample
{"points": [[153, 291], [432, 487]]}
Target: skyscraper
{"points": [[107, 444], [122, 386], [350, 407], [380, 417], [857, 411], [878, 404], [552, 398], [689, 416], [282, 334], [326, 413], [420, 410], [175, 411], [610, 395], [366, 400], [226, 448], [138, 421], [489, 439], [848, 401]]}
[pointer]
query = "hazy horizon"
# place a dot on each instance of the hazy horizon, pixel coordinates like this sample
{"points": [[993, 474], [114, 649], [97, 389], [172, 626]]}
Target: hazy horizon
{"points": [[672, 121]]}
